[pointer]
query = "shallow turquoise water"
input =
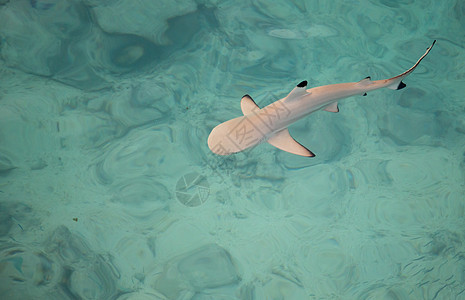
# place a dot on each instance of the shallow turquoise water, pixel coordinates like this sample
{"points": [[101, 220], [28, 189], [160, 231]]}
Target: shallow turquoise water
{"points": [[109, 191]]}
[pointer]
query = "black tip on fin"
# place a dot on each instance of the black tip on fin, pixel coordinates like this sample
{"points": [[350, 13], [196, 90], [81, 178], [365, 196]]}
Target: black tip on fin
{"points": [[364, 94], [401, 85], [310, 153], [434, 42], [302, 84], [368, 77]]}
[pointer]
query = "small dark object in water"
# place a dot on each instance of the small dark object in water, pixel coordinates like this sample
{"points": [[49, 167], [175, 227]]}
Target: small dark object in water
{"points": [[42, 5]]}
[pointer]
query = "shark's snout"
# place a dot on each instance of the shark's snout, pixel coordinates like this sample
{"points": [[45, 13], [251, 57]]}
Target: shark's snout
{"points": [[234, 136]]}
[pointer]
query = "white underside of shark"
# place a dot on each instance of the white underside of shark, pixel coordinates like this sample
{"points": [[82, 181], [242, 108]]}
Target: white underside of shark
{"points": [[271, 122]]}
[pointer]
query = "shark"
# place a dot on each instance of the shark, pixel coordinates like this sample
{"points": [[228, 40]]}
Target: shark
{"points": [[270, 123]]}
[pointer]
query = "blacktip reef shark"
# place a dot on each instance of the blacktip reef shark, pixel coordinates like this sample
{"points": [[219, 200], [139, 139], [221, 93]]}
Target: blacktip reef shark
{"points": [[271, 122]]}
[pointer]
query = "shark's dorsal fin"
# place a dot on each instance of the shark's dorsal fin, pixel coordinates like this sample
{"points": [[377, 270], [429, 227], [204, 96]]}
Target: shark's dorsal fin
{"points": [[248, 106], [332, 107], [284, 141], [365, 81], [298, 91]]}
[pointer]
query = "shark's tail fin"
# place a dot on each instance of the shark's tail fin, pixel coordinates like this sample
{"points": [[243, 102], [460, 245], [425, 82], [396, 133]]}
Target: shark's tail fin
{"points": [[395, 83]]}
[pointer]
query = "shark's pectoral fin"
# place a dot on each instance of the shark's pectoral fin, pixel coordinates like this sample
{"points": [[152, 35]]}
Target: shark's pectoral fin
{"points": [[248, 106], [298, 91], [332, 107], [284, 141]]}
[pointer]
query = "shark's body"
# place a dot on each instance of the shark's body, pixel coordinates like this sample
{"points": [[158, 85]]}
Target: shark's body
{"points": [[270, 123]]}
